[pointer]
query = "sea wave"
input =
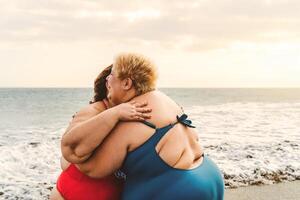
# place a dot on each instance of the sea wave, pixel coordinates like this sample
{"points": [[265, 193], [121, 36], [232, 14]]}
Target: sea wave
{"points": [[252, 143]]}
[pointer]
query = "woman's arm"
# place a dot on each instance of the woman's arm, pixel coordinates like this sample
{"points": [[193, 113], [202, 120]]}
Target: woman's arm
{"points": [[86, 132], [63, 163], [90, 126], [108, 157]]}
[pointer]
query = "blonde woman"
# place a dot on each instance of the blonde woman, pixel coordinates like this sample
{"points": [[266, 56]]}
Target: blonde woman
{"points": [[161, 157], [72, 183]]}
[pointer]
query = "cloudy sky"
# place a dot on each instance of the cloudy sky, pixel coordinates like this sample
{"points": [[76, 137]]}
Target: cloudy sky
{"points": [[194, 43]]}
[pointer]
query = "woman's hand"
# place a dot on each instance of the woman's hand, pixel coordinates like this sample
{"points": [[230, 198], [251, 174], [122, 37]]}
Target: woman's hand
{"points": [[133, 111]]}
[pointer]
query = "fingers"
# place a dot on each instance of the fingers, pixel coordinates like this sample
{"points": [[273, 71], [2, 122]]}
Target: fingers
{"points": [[137, 118], [143, 104], [145, 115], [141, 116], [136, 111], [143, 110], [140, 105]]}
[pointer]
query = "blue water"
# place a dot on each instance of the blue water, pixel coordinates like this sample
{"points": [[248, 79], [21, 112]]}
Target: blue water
{"points": [[252, 134]]}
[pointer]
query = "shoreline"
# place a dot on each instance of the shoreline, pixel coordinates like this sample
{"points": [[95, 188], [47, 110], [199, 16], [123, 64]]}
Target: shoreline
{"points": [[278, 191]]}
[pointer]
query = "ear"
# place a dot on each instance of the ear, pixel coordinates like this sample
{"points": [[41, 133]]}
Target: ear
{"points": [[127, 84]]}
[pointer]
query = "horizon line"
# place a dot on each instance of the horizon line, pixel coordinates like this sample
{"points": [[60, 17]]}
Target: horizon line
{"points": [[157, 87]]}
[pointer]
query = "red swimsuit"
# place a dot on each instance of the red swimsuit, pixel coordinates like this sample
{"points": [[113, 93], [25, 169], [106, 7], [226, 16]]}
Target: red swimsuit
{"points": [[74, 185]]}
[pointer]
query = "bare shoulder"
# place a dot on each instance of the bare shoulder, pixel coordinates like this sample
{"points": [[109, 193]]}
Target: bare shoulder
{"points": [[89, 111], [155, 94], [86, 113], [130, 134], [125, 130], [118, 137]]}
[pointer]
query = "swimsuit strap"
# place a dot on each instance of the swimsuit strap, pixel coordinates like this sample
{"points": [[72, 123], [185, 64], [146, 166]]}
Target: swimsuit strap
{"points": [[160, 132], [149, 124], [182, 119]]}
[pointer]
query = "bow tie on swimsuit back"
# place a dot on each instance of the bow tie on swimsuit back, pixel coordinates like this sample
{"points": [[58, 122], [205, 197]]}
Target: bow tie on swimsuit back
{"points": [[149, 177], [182, 120]]}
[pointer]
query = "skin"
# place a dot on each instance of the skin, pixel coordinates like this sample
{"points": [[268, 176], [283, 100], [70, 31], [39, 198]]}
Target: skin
{"points": [[179, 148], [82, 138], [89, 115], [86, 123], [84, 129]]}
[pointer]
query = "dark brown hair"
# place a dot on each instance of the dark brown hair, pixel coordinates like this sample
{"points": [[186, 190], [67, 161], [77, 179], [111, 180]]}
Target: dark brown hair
{"points": [[100, 85]]}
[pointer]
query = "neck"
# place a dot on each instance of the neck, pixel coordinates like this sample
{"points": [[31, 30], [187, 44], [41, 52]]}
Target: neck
{"points": [[129, 95]]}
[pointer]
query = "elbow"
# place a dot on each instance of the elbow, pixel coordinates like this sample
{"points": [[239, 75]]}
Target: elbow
{"points": [[70, 155], [67, 141], [66, 150], [72, 151]]}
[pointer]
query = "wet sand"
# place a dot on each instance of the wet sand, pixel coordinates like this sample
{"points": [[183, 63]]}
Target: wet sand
{"points": [[280, 191]]}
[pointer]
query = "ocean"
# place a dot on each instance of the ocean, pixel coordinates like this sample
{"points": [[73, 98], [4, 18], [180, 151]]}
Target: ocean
{"points": [[253, 135]]}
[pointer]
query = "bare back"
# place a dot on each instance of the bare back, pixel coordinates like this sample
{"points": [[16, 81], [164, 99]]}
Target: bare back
{"points": [[179, 148]]}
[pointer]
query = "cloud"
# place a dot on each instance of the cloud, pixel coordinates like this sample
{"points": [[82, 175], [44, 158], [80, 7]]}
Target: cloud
{"points": [[193, 25]]}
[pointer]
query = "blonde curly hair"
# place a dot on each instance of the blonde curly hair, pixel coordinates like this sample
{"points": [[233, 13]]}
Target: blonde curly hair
{"points": [[139, 69]]}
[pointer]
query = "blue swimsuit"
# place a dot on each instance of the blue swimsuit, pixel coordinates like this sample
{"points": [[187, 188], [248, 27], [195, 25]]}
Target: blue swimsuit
{"points": [[149, 177]]}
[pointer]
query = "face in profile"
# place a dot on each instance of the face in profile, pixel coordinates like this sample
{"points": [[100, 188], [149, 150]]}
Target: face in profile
{"points": [[114, 88]]}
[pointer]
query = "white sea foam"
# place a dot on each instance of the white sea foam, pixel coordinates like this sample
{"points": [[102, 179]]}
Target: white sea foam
{"points": [[30, 167], [251, 142]]}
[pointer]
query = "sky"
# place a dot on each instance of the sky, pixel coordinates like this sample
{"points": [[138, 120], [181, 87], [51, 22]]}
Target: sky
{"points": [[194, 43]]}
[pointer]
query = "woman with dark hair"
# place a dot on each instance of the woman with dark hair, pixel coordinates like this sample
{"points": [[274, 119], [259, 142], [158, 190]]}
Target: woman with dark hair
{"points": [[100, 90], [161, 157], [72, 183]]}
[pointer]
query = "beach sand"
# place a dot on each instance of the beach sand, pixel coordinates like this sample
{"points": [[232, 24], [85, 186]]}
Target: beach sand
{"points": [[280, 191]]}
